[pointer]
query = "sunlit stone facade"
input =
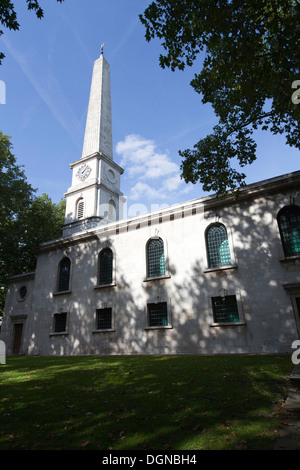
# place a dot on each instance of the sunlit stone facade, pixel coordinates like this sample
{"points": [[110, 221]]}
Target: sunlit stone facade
{"points": [[208, 276]]}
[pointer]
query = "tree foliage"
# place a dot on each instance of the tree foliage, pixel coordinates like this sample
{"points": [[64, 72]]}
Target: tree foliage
{"points": [[8, 15], [26, 220], [249, 54]]}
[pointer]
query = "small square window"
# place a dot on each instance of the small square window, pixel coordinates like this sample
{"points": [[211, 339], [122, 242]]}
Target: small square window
{"points": [[60, 322], [225, 309], [158, 314], [104, 319]]}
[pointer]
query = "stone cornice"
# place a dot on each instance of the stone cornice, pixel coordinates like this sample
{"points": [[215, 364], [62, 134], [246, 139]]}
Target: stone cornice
{"points": [[93, 183], [181, 210], [22, 277], [251, 191], [100, 156]]}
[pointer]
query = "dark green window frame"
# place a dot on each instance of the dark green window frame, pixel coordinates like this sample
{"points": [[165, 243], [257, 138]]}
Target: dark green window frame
{"points": [[225, 309], [217, 245], [156, 265], [288, 220], [106, 266], [64, 275], [104, 318], [60, 322], [157, 314]]}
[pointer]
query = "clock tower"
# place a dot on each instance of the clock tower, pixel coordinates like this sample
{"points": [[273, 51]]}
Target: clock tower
{"points": [[94, 197]]}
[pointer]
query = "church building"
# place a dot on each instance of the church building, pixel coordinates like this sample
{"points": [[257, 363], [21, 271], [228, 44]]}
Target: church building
{"points": [[208, 276]]}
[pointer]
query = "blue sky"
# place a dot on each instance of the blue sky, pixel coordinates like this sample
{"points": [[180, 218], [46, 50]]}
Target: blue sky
{"points": [[47, 74]]}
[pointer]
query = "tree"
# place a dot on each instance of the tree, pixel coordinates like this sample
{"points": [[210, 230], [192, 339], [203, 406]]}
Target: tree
{"points": [[8, 16], [26, 220], [250, 64], [42, 221], [15, 195]]}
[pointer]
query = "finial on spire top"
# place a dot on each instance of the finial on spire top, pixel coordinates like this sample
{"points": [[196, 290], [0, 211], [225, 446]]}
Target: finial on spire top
{"points": [[102, 45]]}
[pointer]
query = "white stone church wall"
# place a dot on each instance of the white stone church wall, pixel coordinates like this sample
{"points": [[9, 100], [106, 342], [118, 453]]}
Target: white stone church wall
{"points": [[18, 310], [267, 318]]}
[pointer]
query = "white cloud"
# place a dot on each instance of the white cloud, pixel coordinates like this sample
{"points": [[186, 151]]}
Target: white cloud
{"points": [[156, 176], [152, 175], [143, 190], [140, 157], [173, 183]]}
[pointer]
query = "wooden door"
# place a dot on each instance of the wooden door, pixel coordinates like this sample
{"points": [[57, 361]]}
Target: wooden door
{"points": [[298, 306], [18, 329]]}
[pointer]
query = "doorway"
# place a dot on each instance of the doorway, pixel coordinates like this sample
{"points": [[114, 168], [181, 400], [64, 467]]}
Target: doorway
{"points": [[18, 330], [296, 306], [293, 289], [297, 301]]}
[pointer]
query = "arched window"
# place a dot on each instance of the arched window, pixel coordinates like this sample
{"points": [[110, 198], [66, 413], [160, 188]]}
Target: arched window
{"points": [[155, 257], [288, 220], [80, 208], [64, 275], [218, 252], [106, 266], [111, 210]]}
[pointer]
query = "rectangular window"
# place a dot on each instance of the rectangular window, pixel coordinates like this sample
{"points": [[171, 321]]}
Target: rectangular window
{"points": [[104, 319], [60, 322], [225, 309], [158, 314]]}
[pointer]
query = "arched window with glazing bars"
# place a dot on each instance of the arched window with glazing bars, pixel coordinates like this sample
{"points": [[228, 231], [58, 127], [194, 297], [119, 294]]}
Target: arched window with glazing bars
{"points": [[288, 219], [155, 257], [106, 266], [217, 245], [64, 271]]}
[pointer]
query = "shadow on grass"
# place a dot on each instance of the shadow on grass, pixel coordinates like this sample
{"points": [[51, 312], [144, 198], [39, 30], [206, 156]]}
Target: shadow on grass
{"points": [[141, 402]]}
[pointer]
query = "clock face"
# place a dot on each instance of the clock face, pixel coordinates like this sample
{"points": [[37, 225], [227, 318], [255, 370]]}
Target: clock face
{"points": [[83, 172]]}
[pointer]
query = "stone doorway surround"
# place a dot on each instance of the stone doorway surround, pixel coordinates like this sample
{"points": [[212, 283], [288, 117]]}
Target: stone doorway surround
{"points": [[294, 291]]}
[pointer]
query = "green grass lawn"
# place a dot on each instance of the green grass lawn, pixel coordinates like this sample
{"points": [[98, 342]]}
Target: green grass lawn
{"points": [[142, 402]]}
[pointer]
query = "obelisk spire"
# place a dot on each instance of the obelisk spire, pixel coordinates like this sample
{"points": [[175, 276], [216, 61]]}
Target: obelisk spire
{"points": [[98, 130]]}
